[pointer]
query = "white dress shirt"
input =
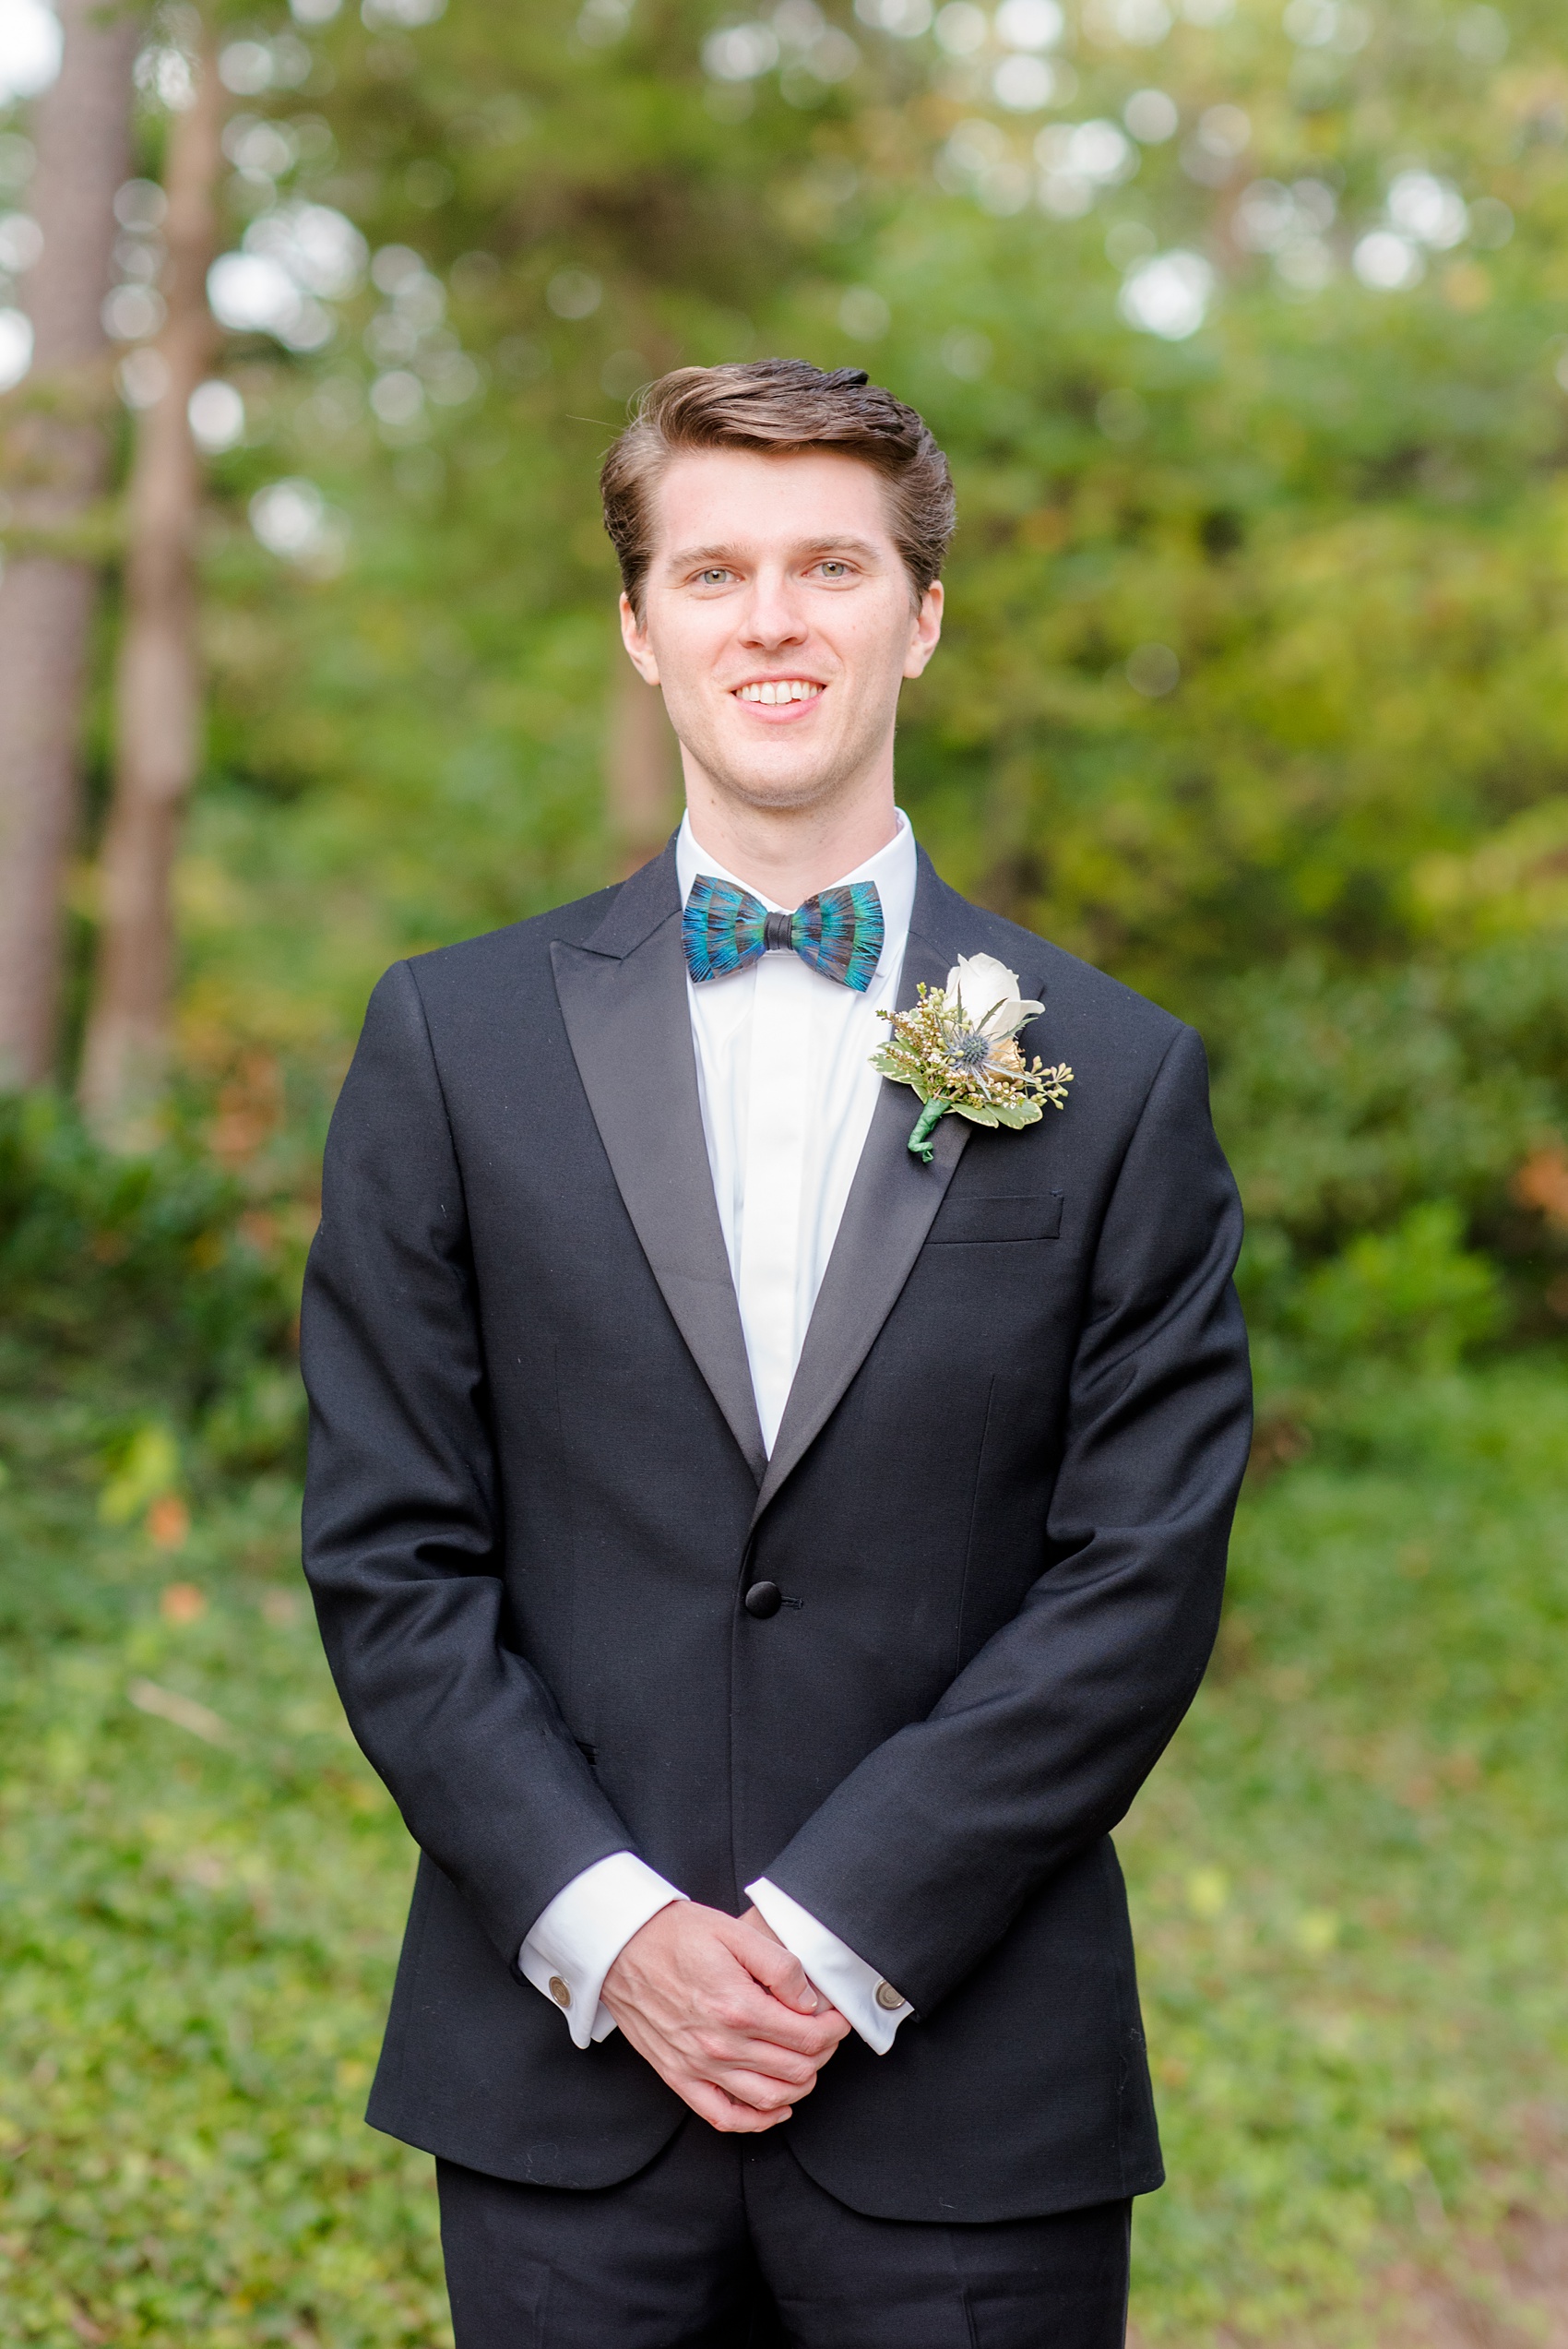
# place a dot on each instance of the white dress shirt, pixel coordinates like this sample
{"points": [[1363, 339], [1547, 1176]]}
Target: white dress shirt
{"points": [[787, 1090]]}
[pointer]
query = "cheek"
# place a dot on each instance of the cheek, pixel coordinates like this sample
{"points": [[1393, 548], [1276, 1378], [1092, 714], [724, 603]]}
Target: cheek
{"points": [[874, 648], [869, 638], [688, 648]]}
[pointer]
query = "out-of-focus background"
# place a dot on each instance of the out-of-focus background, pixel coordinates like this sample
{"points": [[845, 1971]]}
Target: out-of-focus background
{"points": [[1246, 326]]}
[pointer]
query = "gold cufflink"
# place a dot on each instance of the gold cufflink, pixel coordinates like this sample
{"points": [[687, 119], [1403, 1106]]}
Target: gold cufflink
{"points": [[563, 1997], [888, 1998]]}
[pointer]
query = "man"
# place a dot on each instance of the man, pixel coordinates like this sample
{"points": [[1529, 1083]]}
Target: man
{"points": [[763, 1564]]}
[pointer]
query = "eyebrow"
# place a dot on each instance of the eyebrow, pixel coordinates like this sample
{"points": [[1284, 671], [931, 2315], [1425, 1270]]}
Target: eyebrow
{"points": [[685, 557]]}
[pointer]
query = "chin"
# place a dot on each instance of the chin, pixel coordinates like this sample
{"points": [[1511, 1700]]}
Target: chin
{"points": [[785, 774], [762, 788]]}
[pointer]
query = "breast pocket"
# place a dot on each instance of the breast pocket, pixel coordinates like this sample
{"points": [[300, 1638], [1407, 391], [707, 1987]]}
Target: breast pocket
{"points": [[1033, 1215]]}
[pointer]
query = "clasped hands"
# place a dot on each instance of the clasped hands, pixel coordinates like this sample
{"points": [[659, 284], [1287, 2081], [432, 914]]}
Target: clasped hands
{"points": [[724, 2013]]}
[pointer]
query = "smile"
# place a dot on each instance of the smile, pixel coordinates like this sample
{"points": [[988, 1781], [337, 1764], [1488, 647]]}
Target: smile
{"points": [[776, 689]]}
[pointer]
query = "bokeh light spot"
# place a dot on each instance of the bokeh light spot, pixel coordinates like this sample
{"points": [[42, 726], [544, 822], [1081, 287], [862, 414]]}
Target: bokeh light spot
{"points": [[30, 48], [1029, 24], [1151, 116], [15, 347], [1168, 295], [217, 415]]}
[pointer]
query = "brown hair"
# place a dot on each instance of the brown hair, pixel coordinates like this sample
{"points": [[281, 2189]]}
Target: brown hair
{"points": [[785, 405]]}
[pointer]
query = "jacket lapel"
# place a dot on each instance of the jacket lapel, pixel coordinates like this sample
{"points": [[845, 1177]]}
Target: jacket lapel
{"points": [[623, 999], [889, 1209]]}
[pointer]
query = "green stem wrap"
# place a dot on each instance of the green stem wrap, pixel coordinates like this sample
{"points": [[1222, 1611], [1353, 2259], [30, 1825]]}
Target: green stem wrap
{"points": [[925, 1126]]}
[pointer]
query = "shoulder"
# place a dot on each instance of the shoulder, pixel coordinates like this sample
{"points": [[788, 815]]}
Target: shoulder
{"points": [[501, 957], [506, 966]]}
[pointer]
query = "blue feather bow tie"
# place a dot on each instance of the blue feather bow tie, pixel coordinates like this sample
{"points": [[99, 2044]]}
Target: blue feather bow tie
{"points": [[838, 933]]}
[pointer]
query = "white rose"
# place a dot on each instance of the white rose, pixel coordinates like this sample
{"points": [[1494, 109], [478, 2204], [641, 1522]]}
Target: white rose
{"points": [[989, 994]]}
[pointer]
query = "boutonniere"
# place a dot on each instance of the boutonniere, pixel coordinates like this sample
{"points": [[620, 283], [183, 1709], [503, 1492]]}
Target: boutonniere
{"points": [[958, 1048]]}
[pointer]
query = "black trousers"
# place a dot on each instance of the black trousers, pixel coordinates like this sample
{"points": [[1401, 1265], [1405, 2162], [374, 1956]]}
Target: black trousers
{"points": [[725, 2243]]}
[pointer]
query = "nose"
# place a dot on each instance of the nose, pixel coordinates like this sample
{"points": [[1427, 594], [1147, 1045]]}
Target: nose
{"points": [[773, 617]]}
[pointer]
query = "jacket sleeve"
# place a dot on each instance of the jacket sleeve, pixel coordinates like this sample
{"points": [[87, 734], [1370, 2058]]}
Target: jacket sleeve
{"points": [[924, 1855], [401, 1521]]}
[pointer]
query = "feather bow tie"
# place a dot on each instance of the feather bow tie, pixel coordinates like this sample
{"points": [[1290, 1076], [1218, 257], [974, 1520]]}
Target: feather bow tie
{"points": [[838, 933]]}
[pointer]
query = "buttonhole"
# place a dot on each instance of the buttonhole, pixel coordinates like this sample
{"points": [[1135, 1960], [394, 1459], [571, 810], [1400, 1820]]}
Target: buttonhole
{"points": [[794, 1603]]}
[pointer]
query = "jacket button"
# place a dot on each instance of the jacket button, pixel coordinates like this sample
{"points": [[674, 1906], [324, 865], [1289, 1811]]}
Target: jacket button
{"points": [[763, 1599], [563, 1997], [887, 1997]]}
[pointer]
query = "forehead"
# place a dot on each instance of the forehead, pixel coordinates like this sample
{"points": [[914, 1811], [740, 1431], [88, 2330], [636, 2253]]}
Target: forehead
{"points": [[740, 497]]}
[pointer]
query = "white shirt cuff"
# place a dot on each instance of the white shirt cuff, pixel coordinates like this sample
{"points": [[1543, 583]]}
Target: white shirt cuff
{"points": [[579, 1937], [867, 2004]]}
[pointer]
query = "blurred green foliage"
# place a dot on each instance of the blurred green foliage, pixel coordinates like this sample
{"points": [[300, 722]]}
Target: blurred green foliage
{"points": [[1352, 1101], [200, 1883], [1415, 1293], [147, 1271]]}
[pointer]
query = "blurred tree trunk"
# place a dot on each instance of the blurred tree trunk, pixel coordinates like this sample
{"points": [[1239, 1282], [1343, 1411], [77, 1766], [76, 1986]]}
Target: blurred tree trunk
{"points": [[58, 461], [158, 688], [644, 769]]}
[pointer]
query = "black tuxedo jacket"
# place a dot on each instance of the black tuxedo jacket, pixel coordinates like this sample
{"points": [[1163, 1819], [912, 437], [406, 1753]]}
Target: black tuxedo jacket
{"points": [[997, 1509]]}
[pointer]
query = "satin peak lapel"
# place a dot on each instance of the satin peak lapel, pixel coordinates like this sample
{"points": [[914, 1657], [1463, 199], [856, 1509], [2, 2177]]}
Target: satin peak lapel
{"points": [[623, 999], [890, 1205]]}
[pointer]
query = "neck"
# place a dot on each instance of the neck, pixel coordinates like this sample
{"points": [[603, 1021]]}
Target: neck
{"points": [[789, 853]]}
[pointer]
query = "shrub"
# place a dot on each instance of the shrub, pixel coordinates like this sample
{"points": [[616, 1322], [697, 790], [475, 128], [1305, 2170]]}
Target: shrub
{"points": [[1415, 1293], [155, 1276], [1376, 1122]]}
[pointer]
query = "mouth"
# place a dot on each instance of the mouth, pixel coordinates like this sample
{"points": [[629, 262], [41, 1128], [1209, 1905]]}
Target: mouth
{"points": [[777, 692]]}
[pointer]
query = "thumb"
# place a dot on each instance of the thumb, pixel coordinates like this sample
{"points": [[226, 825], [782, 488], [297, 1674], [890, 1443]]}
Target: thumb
{"points": [[777, 1969]]}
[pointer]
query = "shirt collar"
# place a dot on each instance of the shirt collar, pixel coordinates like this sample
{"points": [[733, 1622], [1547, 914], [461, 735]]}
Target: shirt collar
{"points": [[894, 868]]}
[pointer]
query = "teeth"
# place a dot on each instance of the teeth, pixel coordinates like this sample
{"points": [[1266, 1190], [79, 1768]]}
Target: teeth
{"points": [[781, 690]]}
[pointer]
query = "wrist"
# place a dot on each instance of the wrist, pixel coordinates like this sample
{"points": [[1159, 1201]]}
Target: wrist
{"points": [[573, 1944]]}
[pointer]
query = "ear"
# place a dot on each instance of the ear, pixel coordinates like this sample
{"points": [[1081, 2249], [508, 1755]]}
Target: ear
{"points": [[634, 636], [925, 630]]}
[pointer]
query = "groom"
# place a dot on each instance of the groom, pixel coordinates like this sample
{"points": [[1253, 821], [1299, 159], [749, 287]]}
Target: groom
{"points": [[764, 1564]]}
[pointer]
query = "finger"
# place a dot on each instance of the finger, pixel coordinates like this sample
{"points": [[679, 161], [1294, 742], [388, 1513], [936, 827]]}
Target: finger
{"points": [[813, 2036], [742, 2122], [720, 2054], [738, 2022], [757, 1923], [771, 2046], [714, 2053], [720, 2111], [777, 1969], [759, 2093], [756, 2015]]}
